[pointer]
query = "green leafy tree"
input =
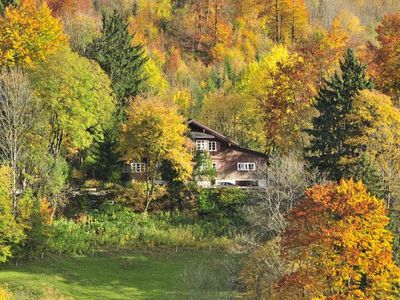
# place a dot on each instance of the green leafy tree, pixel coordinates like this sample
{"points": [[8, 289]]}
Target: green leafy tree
{"points": [[330, 128], [119, 58], [203, 168], [77, 98]]}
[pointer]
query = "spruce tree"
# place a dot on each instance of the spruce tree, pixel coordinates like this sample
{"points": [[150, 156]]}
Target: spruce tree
{"points": [[330, 130], [119, 58], [123, 62]]}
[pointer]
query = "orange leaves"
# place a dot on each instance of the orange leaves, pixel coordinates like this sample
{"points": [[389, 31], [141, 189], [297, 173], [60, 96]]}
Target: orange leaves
{"points": [[338, 241], [387, 56], [28, 34]]}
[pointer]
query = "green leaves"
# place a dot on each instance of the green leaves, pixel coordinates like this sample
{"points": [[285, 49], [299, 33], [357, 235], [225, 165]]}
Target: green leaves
{"points": [[330, 128], [77, 97]]}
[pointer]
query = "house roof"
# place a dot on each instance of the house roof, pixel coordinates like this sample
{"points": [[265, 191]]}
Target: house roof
{"points": [[208, 130], [213, 132]]}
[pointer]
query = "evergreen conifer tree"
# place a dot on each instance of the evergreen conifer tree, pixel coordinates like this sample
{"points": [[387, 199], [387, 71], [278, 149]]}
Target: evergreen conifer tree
{"points": [[330, 129], [123, 62], [119, 58]]}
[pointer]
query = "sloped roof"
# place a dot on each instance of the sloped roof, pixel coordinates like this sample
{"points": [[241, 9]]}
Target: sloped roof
{"points": [[213, 132], [224, 138]]}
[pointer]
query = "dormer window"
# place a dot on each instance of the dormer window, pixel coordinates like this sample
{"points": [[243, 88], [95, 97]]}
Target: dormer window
{"points": [[205, 145]]}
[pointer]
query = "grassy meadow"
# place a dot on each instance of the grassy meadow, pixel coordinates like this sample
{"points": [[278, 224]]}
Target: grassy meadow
{"points": [[166, 275]]}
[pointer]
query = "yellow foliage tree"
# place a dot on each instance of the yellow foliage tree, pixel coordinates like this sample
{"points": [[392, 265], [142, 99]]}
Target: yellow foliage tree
{"points": [[153, 133], [10, 232], [377, 122], [235, 118], [28, 34], [286, 19], [336, 246], [282, 95]]}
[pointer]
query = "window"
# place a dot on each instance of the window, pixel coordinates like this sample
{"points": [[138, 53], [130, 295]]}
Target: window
{"points": [[212, 146], [246, 167], [138, 167], [201, 145], [206, 145]]}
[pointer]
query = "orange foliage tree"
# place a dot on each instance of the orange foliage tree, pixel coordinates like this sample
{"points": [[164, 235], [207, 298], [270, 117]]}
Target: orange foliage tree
{"points": [[387, 56], [336, 246]]}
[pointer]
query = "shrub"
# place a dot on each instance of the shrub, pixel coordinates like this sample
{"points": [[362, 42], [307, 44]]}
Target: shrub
{"points": [[221, 210], [35, 217], [116, 228]]}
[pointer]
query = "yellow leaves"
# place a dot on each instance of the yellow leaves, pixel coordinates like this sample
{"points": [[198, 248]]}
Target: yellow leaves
{"points": [[155, 131], [28, 34], [183, 99], [277, 86], [380, 123], [156, 83]]}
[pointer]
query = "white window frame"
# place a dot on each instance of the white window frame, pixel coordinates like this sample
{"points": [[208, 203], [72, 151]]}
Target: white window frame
{"points": [[212, 146], [201, 145], [138, 167], [246, 167], [206, 145]]}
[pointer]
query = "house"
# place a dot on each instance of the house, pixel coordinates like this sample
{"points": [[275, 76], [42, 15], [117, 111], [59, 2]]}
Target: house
{"points": [[235, 165]]}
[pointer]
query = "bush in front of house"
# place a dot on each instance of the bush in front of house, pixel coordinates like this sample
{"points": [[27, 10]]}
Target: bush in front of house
{"points": [[114, 228], [220, 210]]}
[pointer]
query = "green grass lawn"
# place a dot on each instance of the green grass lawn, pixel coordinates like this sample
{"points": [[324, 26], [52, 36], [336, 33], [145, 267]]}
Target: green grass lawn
{"points": [[182, 275]]}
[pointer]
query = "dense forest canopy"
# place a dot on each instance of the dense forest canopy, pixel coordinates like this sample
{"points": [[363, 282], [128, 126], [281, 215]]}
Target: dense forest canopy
{"points": [[95, 96]]}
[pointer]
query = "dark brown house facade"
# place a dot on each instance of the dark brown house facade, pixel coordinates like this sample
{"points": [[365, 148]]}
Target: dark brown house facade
{"points": [[234, 164]]}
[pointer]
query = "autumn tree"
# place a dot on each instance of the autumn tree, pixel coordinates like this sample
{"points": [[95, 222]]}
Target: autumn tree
{"points": [[10, 233], [19, 113], [273, 84], [336, 246], [235, 117], [28, 34], [77, 99], [330, 128], [285, 19], [387, 56], [374, 134], [154, 132]]}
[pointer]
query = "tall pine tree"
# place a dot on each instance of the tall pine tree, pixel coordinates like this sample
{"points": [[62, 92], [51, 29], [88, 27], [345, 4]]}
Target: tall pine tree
{"points": [[330, 129], [123, 62], [119, 58]]}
